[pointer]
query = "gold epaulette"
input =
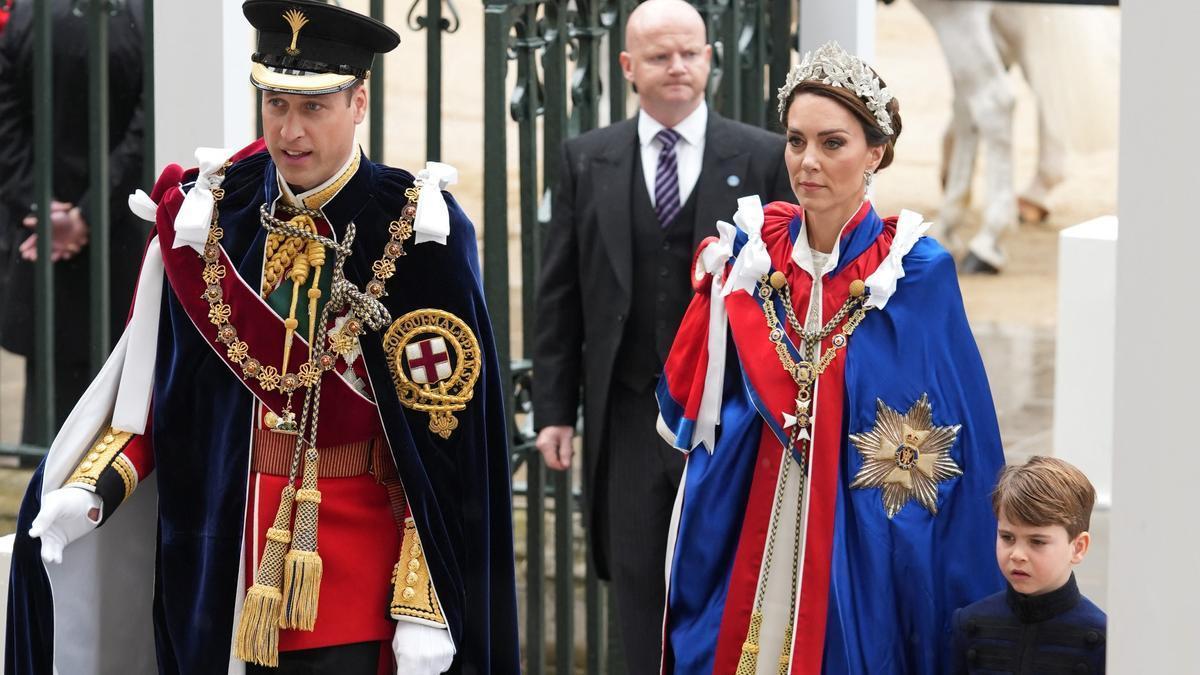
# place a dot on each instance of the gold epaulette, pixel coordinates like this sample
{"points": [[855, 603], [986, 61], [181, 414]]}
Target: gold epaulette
{"points": [[105, 453], [413, 595]]}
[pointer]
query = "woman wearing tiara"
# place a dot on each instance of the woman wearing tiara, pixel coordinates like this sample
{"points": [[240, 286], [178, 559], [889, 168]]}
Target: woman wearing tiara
{"points": [[840, 432]]}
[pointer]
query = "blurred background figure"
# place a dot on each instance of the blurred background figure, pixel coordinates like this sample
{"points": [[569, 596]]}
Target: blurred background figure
{"points": [[982, 41], [5, 13], [73, 202]]}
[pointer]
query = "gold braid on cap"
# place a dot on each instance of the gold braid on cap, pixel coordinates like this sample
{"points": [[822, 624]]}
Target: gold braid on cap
{"points": [[835, 66]]}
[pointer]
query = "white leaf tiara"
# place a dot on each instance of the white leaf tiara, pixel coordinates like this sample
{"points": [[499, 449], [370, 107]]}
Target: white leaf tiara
{"points": [[835, 66]]}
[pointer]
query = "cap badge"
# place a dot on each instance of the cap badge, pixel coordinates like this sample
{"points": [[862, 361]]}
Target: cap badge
{"points": [[296, 20]]}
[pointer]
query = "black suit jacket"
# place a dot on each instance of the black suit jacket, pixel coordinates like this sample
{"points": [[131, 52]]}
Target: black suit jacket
{"points": [[70, 169], [584, 288]]}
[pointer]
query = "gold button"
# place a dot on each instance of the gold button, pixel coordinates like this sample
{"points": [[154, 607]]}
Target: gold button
{"points": [[100, 447], [409, 593], [778, 281], [857, 288], [411, 578], [86, 466], [108, 438], [414, 565], [93, 457], [416, 550]]}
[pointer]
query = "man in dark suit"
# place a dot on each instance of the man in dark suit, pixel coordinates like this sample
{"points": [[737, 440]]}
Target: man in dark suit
{"points": [[634, 201], [72, 199]]}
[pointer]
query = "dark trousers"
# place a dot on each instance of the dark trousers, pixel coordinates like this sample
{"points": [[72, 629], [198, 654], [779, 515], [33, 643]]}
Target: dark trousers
{"points": [[360, 658], [643, 474]]}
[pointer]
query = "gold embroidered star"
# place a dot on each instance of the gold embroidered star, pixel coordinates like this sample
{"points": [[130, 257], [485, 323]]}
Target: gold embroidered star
{"points": [[906, 455]]}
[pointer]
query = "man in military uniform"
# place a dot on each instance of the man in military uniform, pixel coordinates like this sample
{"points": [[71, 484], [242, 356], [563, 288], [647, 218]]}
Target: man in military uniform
{"points": [[309, 405]]}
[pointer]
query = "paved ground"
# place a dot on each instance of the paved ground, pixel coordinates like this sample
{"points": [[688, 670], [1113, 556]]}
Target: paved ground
{"points": [[1014, 315]]}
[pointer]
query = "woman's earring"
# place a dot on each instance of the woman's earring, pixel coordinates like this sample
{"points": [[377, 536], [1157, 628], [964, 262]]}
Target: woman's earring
{"points": [[867, 178]]}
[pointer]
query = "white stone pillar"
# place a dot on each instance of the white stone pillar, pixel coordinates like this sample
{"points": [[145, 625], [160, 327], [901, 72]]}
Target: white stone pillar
{"points": [[1155, 552], [6, 548], [202, 90], [850, 22], [1083, 359]]}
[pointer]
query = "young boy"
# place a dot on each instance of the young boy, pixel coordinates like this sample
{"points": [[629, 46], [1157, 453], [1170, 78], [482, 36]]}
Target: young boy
{"points": [[1041, 623]]}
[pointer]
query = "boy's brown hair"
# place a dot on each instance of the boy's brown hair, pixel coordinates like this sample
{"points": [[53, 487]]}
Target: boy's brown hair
{"points": [[1045, 491]]}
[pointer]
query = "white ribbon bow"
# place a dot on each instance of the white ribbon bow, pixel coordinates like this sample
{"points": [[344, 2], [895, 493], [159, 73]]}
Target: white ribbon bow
{"points": [[712, 261], [432, 221], [910, 227], [753, 261], [195, 215], [142, 206]]}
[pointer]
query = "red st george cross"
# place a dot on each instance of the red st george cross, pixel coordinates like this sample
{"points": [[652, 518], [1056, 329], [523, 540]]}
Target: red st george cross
{"points": [[428, 360]]}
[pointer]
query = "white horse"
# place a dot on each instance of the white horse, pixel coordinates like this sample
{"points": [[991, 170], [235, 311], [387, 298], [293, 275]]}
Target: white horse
{"points": [[981, 40]]}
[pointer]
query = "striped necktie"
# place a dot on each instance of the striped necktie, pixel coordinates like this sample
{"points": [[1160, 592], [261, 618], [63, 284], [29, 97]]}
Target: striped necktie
{"points": [[666, 178]]}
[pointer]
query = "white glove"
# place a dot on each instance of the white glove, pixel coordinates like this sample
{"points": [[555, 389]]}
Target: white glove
{"points": [[422, 649], [63, 519]]}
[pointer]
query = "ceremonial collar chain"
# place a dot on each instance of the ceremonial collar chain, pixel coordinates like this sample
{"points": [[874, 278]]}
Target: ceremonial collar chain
{"points": [[832, 65], [365, 307], [799, 435]]}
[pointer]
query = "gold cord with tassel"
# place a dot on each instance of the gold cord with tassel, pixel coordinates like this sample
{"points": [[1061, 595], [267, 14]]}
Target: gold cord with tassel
{"points": [[302, 567], [316, 259], [748, 662], [298, 275], [257, 638], [288, 582], [301, 265], [785, 657]]}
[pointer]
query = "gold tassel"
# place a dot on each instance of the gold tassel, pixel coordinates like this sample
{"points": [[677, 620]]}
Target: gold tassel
{"points": [[785, 657], [257, 638], [302, 572], [303, 567], [748, 663]]}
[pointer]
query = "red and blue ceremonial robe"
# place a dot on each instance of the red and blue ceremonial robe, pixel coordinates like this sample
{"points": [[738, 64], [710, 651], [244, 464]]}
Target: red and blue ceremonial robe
{"points": [[876, 590]]}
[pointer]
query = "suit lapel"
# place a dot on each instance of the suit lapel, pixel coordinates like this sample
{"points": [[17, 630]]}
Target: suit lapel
{"points": [[612, 171], [722, 178]]}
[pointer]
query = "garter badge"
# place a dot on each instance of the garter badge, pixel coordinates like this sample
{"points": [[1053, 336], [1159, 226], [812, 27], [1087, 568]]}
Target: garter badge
{"points": [[435, 361], [906, 455]]}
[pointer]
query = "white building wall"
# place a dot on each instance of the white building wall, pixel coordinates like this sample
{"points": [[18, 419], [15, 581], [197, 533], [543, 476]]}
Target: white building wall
{"points": [[202, 90], [1155, 550], [850, 22]]}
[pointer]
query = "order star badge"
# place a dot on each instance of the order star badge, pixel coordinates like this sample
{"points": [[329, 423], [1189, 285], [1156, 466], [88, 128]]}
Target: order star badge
{"points": [[435, 361], [906, 455]]}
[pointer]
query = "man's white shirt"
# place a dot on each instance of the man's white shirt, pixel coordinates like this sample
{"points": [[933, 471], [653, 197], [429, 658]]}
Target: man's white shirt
{"points": [[689, 151]]}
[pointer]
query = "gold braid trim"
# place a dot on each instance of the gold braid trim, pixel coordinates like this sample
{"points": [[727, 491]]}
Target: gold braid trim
{"points": [[125, 470], [100, 457], [319, 199], [412, 587], [279, 260]]}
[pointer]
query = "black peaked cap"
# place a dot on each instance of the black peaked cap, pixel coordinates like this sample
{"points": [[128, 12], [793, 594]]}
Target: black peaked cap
{"points": [[308, 37]]}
